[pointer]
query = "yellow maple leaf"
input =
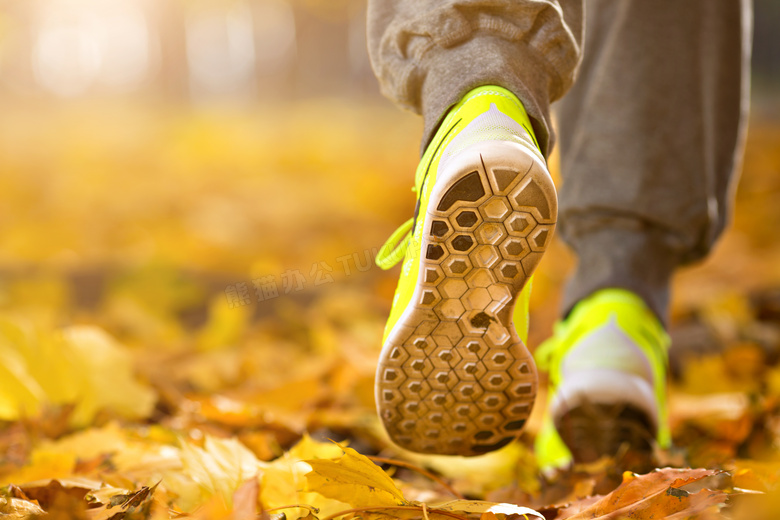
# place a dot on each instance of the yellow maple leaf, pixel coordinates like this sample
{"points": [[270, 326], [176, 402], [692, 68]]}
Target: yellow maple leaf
{"points": [[478, 475], [105, 375], [41, 465], [78, 365], [218, 469], [284, 480], [354, 479], [20, 393]]}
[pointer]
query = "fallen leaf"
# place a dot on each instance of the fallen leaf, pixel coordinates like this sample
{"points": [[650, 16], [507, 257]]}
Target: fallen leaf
{"points": [[79, 365], [20, 393], [106, 379], [45, 492], [105, 495], [17, 508], [513, 465], [117, 504], [245, 500], [654, 495], [758, 475], [132, 500], [44, 464], [284, 480], [218, 469], [354, 479], [140, 457]]}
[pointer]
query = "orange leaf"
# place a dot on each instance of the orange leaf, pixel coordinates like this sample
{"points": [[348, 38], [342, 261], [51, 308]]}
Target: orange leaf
{"points": [[654, 495]]}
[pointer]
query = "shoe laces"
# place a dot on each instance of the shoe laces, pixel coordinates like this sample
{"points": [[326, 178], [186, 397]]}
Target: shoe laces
{"points": [[395, 247]]}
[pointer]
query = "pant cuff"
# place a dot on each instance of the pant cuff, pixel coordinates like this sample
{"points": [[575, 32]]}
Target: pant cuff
{"points": [[641, 262]]}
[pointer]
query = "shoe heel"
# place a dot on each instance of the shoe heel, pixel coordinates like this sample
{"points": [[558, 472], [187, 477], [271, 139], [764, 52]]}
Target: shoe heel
{"points": [[618, 430]]}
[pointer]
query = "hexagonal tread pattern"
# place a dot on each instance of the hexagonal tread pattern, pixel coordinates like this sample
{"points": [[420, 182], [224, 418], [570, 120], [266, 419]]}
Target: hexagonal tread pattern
{"points": [[454, 377]]}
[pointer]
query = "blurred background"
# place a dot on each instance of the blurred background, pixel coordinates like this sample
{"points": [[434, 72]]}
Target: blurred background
{"points": [[202, 51], [224, 138], [199, 51], [204, 181]]}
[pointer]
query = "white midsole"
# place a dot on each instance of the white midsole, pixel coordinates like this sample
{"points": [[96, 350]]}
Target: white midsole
{"points": [[604, 386]]}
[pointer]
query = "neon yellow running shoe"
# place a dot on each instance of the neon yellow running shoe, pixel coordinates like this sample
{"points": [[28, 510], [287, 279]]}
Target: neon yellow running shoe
{"points": [[454, 377], [607, 363]]}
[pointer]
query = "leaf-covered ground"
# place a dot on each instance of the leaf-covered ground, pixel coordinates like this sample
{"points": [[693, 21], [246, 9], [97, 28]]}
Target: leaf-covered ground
{"points": [[189, 317]]}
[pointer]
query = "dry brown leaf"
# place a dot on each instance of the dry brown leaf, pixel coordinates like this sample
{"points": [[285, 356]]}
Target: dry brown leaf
{"points": [[654, 495], [45, 492], [130, 505], [18, 509]]}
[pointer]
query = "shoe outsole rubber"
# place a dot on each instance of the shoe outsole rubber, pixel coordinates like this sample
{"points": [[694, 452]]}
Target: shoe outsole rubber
{"points": [[619, 430], [454, 377]]}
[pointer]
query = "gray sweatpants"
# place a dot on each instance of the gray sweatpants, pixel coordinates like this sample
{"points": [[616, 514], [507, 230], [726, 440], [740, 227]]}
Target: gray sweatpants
{"points": [[651, 132]]}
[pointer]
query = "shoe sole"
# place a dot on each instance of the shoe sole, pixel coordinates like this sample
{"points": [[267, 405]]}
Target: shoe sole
{"points": [[606, 412], [454, 377], [621, 431]]}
